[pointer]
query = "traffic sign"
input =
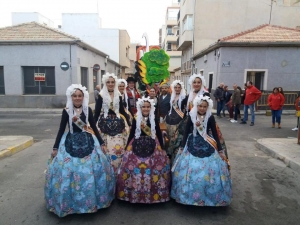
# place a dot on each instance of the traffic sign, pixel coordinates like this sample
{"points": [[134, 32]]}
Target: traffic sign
{"points": [[64, 66], [96, 67]]}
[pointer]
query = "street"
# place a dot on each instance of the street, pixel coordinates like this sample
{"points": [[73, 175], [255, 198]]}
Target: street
{"points": [[265, 191]]}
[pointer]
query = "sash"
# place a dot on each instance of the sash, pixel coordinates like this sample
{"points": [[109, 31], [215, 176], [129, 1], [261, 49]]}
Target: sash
{"points": [[178, 111], [145, 128], [213, 143], [82, 125]]}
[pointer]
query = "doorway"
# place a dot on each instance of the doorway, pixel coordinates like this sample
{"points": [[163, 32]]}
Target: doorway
{"points": [[210, 81], [257, 78]]}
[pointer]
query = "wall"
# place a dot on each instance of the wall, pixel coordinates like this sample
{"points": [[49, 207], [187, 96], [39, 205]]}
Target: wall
{"points": [[281, 65], [16, 56], [25, 17], [228, 17], [87, 27]]}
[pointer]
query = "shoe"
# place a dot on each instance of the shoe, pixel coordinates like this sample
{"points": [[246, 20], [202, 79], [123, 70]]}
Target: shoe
{"points": [[229, 119], [295, 129], [233, 121], [279, 126], [273, 125], [243, 122], [251, 124]]}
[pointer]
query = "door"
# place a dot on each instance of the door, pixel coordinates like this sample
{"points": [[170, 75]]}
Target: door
{"points": [[257, 78], [210, 82]]}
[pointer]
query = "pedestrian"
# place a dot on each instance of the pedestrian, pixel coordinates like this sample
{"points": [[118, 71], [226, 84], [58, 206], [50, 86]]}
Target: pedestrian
{"points": [[175, 116], [164, 102], [219, 96], [227, 99], [200, 174], [276, 102], [236, 102], [112, 119], [144, 175], [153, 96], [79, 178], [96, 92], [297, 107], [132, 93], [122, 85], [252, 95], [280, 89]]}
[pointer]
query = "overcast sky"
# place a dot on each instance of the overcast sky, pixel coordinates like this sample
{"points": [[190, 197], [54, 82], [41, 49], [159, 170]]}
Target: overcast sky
{"points": [[136, 16]]}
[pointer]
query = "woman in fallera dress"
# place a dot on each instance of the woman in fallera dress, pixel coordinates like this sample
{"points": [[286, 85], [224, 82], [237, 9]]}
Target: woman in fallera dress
{"points": [[122, 85], [79, 177], [144, 175], [112, 119], [175, 116], [200, 174]]}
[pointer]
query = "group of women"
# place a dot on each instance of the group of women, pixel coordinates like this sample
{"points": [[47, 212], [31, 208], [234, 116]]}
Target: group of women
{"points": [[117, 154]]}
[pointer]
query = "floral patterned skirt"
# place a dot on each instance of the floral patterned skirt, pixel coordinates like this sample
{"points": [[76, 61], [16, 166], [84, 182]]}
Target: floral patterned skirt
{"points": [[116, 146], [144, 180], [201, 181], [79, 184]]}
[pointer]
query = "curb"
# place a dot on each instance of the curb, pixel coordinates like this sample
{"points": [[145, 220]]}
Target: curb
{"points": [[16, 148], [286, 160]]}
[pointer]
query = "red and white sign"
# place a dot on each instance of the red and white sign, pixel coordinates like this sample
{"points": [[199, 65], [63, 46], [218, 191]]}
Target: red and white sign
{"points": [[39, 76]]}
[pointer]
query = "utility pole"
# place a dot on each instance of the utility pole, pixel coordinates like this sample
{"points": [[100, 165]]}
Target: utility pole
{"points": [[271, 10]]}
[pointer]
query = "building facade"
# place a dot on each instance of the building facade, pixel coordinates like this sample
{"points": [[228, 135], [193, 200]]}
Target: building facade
{"points": [[168, 40], [38, 63], [267, 55], [202, 23]]}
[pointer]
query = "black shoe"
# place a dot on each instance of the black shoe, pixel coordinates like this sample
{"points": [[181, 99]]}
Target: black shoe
{"points": [[251, 124], [243, 122]]}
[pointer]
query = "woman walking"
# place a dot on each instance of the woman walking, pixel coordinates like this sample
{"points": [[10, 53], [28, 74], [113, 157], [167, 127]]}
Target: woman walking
{"points": [[200, 174], [79, 178], [276, 102], [144, 175], [175, 116], [112, 119]]}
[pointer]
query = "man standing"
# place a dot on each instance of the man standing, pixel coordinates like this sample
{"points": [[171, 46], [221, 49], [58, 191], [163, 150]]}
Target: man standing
{"points": [[132, 94], [96, 92], [252, 95], [219, 96], [236, 102], [164, 102], [227, 97]]}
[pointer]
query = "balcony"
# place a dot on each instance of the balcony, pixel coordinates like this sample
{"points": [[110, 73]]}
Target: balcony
{"points": [[171, 21], [185, 40], [171, 38]]}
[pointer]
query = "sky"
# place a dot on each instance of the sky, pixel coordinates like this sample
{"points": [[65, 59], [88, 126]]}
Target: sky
{"points": [[135, 16]]}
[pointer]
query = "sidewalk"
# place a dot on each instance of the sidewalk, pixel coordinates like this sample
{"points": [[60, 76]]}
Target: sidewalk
{"points": [[92, 106], [284, 149], [10, 145]]}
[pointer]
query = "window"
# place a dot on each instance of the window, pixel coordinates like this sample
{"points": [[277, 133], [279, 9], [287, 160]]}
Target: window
{"points": [[188, 23], [39, 80], [84, 77], [169, 31], [169, 48], [2, 89]]}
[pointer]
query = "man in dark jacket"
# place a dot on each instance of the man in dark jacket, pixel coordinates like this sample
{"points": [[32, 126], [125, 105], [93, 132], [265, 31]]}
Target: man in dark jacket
{"points": [[219, 96], [227, 96], [236, 102], [164, 102]]}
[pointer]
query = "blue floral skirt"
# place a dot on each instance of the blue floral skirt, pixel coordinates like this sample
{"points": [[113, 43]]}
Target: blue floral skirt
{"points": [[79, 184], [201, 181]]}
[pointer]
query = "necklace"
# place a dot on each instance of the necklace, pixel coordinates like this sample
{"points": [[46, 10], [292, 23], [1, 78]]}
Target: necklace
{"points": [[77, 107]]}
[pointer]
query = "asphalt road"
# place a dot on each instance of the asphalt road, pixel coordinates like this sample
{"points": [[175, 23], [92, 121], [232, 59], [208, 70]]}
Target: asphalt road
{"points": [[265, 191]]}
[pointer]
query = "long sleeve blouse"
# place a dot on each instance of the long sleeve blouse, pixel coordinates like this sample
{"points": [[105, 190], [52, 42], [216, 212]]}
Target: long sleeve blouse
{"points": [[98, 108], [65, 120], [211, 125], [157, 129]]}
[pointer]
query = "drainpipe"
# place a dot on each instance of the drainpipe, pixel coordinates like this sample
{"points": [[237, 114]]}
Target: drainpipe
{"points": [[193, 65]]}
